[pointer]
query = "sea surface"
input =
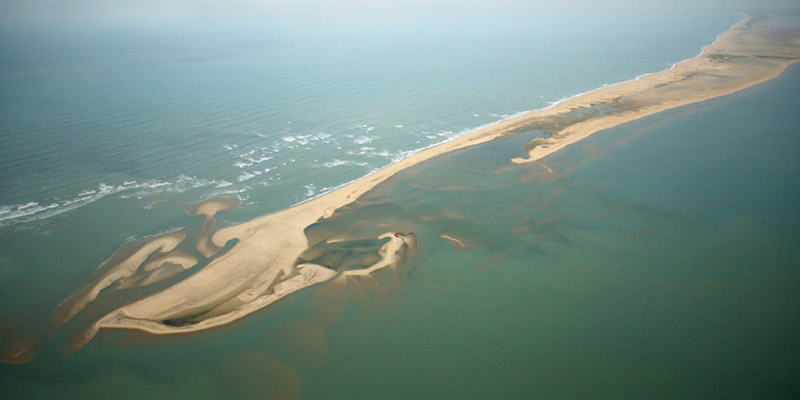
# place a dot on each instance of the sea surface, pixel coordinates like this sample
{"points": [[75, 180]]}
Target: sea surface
{"points": [[148, 117], [657, 259]]}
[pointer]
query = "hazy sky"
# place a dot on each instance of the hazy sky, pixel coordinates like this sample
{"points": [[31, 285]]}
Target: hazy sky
{"points": [[278, 8]]}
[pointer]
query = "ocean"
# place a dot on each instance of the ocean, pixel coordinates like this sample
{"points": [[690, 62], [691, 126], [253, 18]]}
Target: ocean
{"points": [[656, 260], [280, 112]]}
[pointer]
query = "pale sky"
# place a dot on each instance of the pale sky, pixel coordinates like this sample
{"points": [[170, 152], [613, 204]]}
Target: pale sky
{"points": [[440, 8]]}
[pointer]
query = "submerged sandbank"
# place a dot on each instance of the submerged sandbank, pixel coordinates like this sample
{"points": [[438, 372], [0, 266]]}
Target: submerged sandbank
{"points": [[261, 267]]}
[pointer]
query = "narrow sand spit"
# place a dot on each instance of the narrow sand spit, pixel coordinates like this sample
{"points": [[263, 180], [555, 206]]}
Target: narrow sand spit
{"points": [[746, 55], [124, 266], [453, 241], [260, 268]]}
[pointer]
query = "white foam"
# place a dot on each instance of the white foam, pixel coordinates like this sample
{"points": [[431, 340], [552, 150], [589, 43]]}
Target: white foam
{"points": [[228, 192], [33, 211], [25, 210], [363, 140], [28, 205], [337, 162], [245, 176], [310, 189], [250, 161], [334, 163], [382, 153]]}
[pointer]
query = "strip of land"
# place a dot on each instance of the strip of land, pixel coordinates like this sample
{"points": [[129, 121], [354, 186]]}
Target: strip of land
{"points": [[261, 267], [751, 52]]}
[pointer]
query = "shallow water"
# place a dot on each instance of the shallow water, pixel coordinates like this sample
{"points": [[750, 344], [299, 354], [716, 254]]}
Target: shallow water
{"points": [[658, 259]]}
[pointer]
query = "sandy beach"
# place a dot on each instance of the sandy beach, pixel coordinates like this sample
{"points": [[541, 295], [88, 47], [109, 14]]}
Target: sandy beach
{"points": [[260, 268]]}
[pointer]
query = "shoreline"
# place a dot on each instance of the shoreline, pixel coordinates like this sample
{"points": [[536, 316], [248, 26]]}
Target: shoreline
{"points": [[673, 78], [260, 269]]}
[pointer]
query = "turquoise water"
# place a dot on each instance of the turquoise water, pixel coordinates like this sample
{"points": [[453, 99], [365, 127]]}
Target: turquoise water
{"points": [[659, 260], [280, 112], [108, 132]]}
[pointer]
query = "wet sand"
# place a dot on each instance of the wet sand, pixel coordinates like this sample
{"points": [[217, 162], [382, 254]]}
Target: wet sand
{"points": [[260, 268], [209, 209], [454, 241], [391, 254], [119, 269]]}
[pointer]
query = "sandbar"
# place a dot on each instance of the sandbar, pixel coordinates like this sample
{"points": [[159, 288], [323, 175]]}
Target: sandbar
{"points": [[454, 241], [260, 268], [119, 268]]}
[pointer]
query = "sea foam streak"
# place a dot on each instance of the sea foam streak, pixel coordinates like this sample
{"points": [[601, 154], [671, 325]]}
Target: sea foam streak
{"points": [[34, 211]]}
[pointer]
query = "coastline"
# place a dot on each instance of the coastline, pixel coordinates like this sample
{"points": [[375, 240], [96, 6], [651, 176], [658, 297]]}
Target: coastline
{"points": [[681, 85], [260, 270]]}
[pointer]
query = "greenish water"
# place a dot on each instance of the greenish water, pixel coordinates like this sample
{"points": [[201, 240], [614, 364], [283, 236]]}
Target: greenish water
{"points": [[109, 130], [659, 261]]}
